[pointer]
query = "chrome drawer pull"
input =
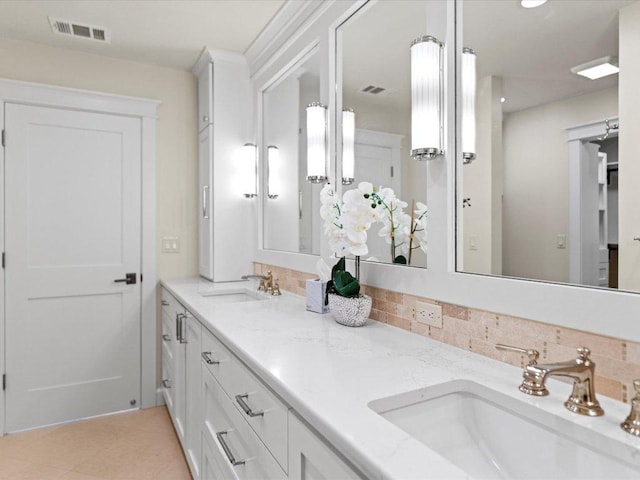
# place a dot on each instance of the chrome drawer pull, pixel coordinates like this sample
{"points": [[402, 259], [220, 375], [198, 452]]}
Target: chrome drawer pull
{"points": [[247, 408], [165, 384], [207, 358], [165, 303], [166, 338], [227, 450]]}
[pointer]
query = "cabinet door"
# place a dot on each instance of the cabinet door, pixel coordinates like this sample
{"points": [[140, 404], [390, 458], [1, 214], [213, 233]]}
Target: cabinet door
{"points": [[179, 378], [205, 209], [310, 458], [205, 97], [194, 395]]}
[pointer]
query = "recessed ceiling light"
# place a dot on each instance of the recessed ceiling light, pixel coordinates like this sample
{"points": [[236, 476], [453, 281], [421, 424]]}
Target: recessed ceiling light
{"points": [[532, 3], [597, 68], [502, 99]]}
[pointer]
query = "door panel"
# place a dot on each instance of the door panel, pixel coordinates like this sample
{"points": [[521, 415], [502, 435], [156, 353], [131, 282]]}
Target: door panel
{"points": [[73, 227]]}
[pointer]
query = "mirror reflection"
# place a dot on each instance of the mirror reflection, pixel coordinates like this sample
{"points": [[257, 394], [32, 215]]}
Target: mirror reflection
{"points": [[291, 203], [541, 199], [374, 90]]}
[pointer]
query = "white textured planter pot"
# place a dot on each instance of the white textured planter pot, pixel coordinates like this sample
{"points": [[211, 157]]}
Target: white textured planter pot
{"points": [[352, 312]]}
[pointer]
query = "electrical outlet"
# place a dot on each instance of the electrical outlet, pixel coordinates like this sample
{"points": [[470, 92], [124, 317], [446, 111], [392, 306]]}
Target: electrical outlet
{"points": [[429, 314]]}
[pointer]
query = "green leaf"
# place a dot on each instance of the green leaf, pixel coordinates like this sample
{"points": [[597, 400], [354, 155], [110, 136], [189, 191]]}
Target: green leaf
{"points": [[346, 285], [400, 259]]}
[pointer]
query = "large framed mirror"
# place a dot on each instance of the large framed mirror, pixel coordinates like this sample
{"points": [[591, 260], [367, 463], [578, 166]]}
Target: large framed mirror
{"points": [[373, 118], [290, 203], [541, 200]]}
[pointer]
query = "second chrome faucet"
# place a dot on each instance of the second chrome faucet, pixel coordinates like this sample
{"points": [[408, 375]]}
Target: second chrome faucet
{"points": [[581, 370]]}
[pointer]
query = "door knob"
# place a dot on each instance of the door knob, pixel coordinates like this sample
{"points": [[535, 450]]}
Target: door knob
{"points": [[130, 279]]}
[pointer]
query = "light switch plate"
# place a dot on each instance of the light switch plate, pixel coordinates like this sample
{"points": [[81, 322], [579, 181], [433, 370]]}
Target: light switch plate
{"points": [[170, 244], [429, 314], [473, 242], [562, 241]]}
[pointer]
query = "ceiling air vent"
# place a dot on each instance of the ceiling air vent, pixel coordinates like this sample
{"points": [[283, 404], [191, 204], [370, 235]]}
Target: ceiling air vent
{"points": [[80, 30], [372, 89]]}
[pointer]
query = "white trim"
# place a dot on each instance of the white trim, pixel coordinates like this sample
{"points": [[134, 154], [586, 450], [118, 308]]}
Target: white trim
{"points": [[2, 290], [284, 24], [208, 56], [27, 93], [148, 287], [76, 99], [597, 310]]}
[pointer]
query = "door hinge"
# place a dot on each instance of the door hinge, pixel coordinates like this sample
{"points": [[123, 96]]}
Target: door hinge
{"points": [[4, 381], [3, 138]]}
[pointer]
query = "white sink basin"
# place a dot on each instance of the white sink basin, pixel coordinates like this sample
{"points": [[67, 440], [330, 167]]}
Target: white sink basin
{"points": [[237, 295], [493, 436]]}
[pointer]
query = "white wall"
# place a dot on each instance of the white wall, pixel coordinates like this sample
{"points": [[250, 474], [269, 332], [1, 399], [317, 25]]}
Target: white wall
{"points": [[176, 130], [629, 149], [483, 185], [281, 125], [535, 204]]}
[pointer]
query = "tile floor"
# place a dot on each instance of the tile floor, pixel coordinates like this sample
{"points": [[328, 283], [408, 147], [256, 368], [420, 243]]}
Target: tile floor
{"points": [[128, 446]]}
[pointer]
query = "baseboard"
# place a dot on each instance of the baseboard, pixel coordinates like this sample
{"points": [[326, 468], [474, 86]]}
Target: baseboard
{"points": [[159, 397]]}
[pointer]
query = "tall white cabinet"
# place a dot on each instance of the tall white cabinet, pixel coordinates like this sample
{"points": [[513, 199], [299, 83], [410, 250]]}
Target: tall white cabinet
{"points": [[225, 215]]}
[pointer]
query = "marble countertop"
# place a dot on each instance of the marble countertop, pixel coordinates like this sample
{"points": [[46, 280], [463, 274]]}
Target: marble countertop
{"points": [[329, 374]]}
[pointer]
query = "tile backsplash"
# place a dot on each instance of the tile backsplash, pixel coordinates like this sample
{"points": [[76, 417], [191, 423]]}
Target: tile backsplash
{"points": [[618, 360]]}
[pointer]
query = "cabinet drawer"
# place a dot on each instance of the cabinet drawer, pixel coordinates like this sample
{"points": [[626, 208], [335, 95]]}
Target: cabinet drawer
{"points": [[167, 385], [166, 300], [217, 358], [224, 426], [168, 337], [266, 414]]}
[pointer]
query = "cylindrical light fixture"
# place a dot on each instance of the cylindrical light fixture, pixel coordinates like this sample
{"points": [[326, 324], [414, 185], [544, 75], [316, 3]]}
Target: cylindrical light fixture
{"points": [[348, 146], [248, 167], [426, 98], [316, 143], [468, 126], [273, 168]]}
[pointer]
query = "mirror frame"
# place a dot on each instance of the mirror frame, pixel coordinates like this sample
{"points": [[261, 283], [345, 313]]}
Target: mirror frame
{"points": [[598, 311]]}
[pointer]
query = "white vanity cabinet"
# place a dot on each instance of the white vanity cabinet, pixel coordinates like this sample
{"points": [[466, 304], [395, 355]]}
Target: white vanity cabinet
{"points": [[310, 458], [224, 126], [230, 423], [173, 362]]}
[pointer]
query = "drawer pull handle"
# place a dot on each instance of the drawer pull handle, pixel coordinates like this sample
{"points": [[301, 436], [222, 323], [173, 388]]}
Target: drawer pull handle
{"points": [[165, 303], [165, 384], [247, 408], [207, 358], [166, 338], [227, 450]]}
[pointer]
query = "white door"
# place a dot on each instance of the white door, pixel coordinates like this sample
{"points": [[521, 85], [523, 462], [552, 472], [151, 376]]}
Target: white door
{"points": [[72, 221]]}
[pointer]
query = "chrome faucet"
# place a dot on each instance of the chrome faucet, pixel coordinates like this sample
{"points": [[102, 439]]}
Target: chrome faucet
{"points": [[267, 283], [582, 370]]}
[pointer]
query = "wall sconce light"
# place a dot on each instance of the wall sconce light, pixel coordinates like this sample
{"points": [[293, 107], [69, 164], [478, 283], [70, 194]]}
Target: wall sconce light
{"points": [[248, 167], [468, 126], [426, 98], [348, 146], [273, 166], [316, 143]]}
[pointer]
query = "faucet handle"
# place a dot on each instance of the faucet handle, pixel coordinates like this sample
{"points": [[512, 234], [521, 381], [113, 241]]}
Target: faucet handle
{"points": [[583, 353], [632, 422], [531, 353]]}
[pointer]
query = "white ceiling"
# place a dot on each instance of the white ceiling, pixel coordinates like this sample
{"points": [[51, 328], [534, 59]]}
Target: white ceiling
{"points": [[171, 33], [531, 49]]}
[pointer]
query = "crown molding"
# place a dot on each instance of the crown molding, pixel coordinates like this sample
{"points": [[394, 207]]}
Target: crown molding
{"points": [[292, 18]]}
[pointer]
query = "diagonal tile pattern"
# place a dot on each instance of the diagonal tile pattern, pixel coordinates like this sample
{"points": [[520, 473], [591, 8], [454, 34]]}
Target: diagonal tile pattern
{"points": [[127, 446]]}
